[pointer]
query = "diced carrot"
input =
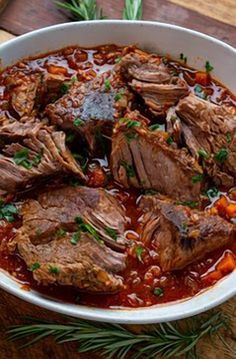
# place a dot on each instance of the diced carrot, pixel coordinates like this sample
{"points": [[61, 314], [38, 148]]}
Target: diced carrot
{"points": [[227, 264], [213, 277], [57, 70], [222, 203], [202, 78], [231, 210]]}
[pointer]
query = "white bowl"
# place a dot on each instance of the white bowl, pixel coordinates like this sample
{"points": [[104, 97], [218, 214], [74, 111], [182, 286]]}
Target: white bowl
{"points": [[162, 38]]}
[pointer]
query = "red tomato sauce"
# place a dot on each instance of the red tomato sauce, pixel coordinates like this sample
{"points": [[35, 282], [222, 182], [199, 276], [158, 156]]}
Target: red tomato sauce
{"points": [[142, 275]]}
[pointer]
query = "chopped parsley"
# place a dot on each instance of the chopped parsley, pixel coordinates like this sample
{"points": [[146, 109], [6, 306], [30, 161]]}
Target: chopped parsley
{"points": [[107, 84], [53, 269], [60, 232], [169, 140], [118, 59], [78, 122], [154, 127], [158, 291], [131, 124], [208, 67], [75, 238], [197, 178], [228, 137], [129, 169], [73, 78], [70, 136], [22, 158], [202, 153], [139, 253], [111, 232], [198, 90], [8, 211], [65, 88], [88, 228], [118, 96], [34, 267], [130, 136], [221, 155], [183, 57], [212, 193], [190, 204]]}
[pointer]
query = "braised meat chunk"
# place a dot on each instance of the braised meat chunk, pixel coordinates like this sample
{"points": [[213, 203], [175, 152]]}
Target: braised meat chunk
{"points": [[87, 264], [182, 235], [210, 132], [154, 81], [91, 108], [95, 206], [69, 245], [33, 152], [148, 159]]}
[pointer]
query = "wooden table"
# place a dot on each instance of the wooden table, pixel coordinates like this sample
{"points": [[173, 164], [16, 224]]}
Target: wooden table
{"points": [[213, 17]]}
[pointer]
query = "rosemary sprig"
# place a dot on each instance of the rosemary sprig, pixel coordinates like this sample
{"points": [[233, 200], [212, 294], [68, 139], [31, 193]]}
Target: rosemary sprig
{"points": [[82, 9], [116, 341], [133, 10]]}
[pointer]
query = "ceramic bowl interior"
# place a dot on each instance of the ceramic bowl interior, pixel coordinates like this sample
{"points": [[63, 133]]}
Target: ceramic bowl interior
{"points": [[164, 39]]}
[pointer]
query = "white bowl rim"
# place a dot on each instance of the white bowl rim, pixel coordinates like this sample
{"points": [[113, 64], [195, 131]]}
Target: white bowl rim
{"points": [[220, 292]]}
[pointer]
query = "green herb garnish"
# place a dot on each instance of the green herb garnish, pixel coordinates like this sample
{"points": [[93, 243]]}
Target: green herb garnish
{"points": [[133, 10], [198, 90], [75, 238], [78, 122], [22, 158], [169, 140], [154, 127], [202, 153], [53, 269], [34, 266], [130, 136], [86, 227], [118, 96], [8, 211], [208, 67], [190, 204], [183, 57], [82, 9], [212, 193], [129, 169], [228, 137], [197, 178], [150, 192], [111, 232], [60, 232], [118, 59], [159, 292], [64, 88], [139, 253], [221, 155], [70, 136], [131, 124], [107, 84]]}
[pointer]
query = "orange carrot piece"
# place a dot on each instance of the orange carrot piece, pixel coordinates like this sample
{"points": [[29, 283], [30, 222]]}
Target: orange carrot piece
{"points": [[213, 277], [222, 203], [231, 210], [227, 264], [57, 70], [202, 78]]}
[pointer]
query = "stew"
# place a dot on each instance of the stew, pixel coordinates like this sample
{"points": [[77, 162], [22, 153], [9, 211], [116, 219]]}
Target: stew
{"points": [[117, 176]]}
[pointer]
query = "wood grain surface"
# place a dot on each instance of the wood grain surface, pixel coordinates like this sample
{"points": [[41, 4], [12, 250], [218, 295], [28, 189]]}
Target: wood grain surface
{"points": [[23, 16], [222, 10]]}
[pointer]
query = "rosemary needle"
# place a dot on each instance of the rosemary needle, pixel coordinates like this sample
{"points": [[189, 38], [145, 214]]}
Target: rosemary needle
{"points": [[133, 10], [115, 341], [82, 9]]}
